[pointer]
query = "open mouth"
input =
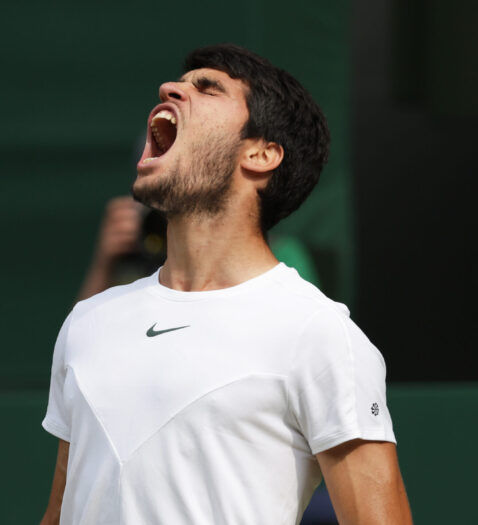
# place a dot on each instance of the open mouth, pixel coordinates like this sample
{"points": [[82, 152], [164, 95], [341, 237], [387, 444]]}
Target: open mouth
{"points": [[164, 131]]}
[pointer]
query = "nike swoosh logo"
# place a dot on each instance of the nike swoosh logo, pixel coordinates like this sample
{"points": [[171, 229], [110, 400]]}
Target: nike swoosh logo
{"points": [[153, 333]]}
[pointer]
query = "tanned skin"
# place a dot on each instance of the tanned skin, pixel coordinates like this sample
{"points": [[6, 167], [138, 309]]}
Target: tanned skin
{"points": [[365, 485], [52, 514]]}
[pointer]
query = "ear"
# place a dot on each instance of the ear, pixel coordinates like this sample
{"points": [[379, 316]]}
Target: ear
{"points": [[260, 156]]}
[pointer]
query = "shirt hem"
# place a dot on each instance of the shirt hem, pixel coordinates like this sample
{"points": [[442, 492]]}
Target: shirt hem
{"points": [[55, 428], [370, 434]]}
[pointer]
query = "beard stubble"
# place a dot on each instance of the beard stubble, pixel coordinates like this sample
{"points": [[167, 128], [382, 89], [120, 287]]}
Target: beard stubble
{"points": [[200, 189]]}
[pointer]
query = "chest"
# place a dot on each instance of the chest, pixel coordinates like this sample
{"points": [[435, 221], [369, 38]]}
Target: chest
{"points": [[138, 376]]}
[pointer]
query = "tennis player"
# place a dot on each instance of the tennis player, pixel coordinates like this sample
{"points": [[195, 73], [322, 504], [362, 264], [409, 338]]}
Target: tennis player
{"points": [[223, 388]]}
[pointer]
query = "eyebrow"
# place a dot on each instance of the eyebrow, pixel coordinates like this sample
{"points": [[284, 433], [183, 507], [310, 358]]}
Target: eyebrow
{"points": [[206, 83]]}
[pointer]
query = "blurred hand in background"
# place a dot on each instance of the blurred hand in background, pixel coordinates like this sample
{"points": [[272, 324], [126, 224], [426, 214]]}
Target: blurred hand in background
{"points": [[119, 235]]}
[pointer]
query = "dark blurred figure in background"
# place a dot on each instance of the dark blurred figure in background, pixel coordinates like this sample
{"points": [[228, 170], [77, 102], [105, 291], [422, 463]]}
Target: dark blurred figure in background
{"points": [[131, 244]]}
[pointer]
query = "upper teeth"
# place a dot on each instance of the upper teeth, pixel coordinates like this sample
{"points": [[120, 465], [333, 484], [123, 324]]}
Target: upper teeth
{"points": [[164, 113]]}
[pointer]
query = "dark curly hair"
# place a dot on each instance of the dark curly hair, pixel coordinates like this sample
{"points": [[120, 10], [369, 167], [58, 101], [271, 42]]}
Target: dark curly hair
{"points": [[282, 111]]}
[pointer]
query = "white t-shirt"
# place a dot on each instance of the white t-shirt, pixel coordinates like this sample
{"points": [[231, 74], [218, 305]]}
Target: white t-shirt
{"points": [[202, 408]]}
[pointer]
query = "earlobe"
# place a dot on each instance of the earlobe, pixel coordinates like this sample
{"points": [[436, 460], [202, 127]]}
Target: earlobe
{"points": [[262, 157]]}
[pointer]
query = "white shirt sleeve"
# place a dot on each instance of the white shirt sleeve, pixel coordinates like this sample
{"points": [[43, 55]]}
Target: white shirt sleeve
{"points": [[337, 384], [56, 420]]}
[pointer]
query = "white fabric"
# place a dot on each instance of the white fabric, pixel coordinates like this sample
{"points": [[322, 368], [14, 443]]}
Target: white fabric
{"points": [[216, 422]]}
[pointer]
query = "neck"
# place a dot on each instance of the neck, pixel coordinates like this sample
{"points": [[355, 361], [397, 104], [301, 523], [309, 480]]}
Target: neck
{"points": [[209, 253]]}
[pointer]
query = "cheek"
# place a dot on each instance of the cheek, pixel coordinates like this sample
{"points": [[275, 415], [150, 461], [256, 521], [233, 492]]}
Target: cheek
{"points": [[223, 120], [230, 123]]}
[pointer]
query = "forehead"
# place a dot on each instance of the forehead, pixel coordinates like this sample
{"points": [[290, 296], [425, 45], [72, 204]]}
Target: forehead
{"points": [[233, 87]]}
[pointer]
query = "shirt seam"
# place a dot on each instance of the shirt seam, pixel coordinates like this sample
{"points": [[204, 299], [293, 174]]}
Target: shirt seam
{"points": [[90, 405], [351, 431], [294, 354], [65, 367], [195, 400], [349, 353], [353, 366]]}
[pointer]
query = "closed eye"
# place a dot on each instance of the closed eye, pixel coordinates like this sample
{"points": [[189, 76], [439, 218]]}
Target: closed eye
{"points": [[209, 86]]}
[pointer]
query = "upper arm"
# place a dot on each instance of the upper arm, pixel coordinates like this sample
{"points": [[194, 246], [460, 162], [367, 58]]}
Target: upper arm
{"points": [[364, 482], [52, 514]]}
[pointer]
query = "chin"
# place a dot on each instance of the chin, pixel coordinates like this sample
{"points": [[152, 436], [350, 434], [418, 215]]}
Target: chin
{"points": [[141, 190]]}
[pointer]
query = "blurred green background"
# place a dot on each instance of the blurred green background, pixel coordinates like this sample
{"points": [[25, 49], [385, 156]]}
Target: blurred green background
{"points": [[78, 82]]}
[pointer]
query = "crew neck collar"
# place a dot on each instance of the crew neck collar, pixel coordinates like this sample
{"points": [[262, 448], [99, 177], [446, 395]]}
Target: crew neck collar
{"points": [[178, 295]]}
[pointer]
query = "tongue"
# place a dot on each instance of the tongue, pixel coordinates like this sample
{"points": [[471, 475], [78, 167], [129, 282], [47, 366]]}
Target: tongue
{"points": [[164, 133]]}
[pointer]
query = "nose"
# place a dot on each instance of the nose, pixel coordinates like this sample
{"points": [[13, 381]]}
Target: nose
{"points": [[170, 90]]}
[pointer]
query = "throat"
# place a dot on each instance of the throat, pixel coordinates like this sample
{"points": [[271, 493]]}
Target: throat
{"points": [[204, 258]]}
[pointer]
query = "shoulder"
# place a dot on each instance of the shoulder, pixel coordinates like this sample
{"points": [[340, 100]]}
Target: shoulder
{"points": [[104, 303], [301, 291], [326, 333], [304, 299]]}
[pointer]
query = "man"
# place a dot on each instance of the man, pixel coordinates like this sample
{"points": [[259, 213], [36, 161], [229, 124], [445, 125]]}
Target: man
{"points": [[223, 387]]}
